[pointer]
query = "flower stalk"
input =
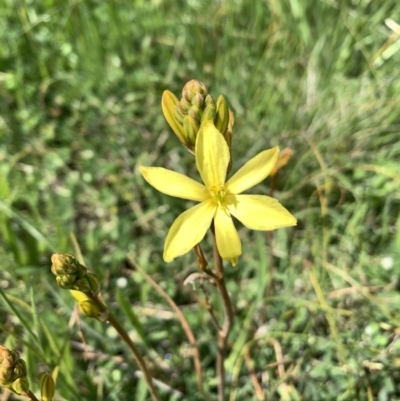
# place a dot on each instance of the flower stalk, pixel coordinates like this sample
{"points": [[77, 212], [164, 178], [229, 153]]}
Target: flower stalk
{"points": [[84, 286], [229, 317], [31, 396]]}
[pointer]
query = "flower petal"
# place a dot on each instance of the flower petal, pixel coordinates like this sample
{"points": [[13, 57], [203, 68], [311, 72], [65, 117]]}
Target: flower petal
{"points": [[174, 184], [228, 241], [254, 171], [188, 230], [212, 155], [259, 212]]}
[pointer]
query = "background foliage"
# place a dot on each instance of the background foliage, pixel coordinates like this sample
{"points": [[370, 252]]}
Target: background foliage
{"points": [[80, 90]]}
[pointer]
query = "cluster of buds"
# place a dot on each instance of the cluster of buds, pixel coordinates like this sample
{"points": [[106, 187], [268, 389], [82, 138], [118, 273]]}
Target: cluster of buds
{"points": [[185, 116], [84, 286], [72, 275], [13, 372]]}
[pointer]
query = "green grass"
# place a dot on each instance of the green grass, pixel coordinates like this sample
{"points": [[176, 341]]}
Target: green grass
{"points": [[80, 92]]}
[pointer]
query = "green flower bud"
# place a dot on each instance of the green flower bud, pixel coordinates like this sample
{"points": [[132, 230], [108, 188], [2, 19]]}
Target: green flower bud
{"points": [[195, 112], [20, 386], [47, 387], [93, 282], [193, 88], [80, 285], [191, 128], [222, 115], [67, 269], [197, 100], [73, 275], [178, 114], [184, 106], [200, 107], [209, 100], [209, 113], [228, 137], [87, 283], [64, 262]]}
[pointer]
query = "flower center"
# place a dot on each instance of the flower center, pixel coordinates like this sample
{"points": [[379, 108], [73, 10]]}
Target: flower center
{"points": [[217, 193]]}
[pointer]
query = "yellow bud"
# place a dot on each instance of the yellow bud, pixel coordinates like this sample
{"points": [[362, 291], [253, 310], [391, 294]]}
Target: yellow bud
{"points": [[47, 387], [178, 114], [89, 308], [20, 386], [209, 100], [222, 115], [208, 114], [168, 103], [228, 137], [79, 295], [191, 128]]}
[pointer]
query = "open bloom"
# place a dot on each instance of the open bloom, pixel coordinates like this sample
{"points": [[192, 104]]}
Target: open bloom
{"points": [[219, 199]]}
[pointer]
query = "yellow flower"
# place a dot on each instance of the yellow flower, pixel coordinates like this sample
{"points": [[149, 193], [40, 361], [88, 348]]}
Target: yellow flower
{"points": [[219, 200]]}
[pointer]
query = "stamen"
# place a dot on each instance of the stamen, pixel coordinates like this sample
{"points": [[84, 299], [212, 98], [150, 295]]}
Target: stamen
{"points": [[217, 193]]}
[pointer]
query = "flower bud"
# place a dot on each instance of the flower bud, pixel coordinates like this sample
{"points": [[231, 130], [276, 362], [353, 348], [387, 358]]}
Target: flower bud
{"points": [[47, 387], [209, 113], [200, 107], [11, 366], [228, 137], [222, 115], [86, 284], [197, 100], [209, 100], [184, 106], [80, 285], [93, 282], [79, 296], [67, 269], [192, 89], [13, 371], [169, 104], [178, 114], [20, 386], [73, 275], [196, 113], [191, 128], [62, 262], [89, 308]]}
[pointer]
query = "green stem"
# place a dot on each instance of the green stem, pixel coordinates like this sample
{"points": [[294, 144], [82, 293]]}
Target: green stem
{"points": [[124, 335], [228, 319], [32, 396], [270, 240]]}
